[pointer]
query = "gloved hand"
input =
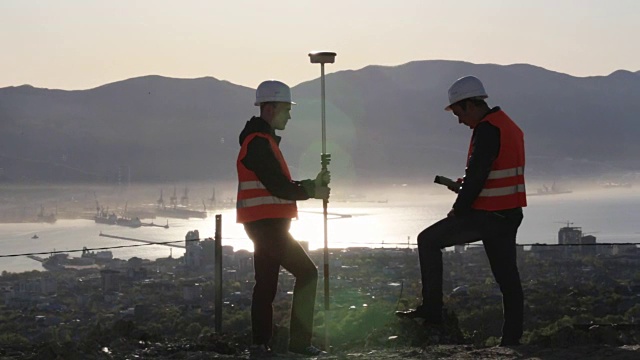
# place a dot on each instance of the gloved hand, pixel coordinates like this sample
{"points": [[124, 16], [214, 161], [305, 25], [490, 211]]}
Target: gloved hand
{"points": [[323, 178], [322, 192]]}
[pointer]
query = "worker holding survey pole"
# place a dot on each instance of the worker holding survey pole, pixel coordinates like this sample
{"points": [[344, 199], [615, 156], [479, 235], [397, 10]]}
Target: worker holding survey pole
{"points": [[265, 206]]}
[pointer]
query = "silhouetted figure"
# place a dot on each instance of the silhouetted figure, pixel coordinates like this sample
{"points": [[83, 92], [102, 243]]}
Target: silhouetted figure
{"points": [[488, 207], [266, 204]]}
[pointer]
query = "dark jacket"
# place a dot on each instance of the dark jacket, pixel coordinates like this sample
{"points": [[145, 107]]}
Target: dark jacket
{"points": [[485, 145], [261, 160]]}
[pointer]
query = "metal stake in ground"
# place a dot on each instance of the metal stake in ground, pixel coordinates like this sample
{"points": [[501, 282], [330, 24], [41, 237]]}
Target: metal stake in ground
{"points": [[324, 57]]}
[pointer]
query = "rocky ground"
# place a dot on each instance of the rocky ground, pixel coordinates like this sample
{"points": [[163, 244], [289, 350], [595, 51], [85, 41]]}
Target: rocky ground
{"points": [[452, 352], [226, 346], [406, 339]]}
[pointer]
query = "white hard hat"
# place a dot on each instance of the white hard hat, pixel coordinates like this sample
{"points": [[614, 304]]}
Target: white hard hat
{"points": [[273, 91], [465, 88]]}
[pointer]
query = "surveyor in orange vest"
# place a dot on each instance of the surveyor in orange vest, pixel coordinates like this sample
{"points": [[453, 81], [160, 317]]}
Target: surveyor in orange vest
{"points": [[266, 204], [488, 207]]}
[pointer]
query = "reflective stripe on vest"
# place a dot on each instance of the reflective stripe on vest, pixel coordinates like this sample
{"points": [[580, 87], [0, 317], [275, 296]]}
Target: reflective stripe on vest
{"points": [[264, 200], [504, 173], [250, 185], [503, 191]]}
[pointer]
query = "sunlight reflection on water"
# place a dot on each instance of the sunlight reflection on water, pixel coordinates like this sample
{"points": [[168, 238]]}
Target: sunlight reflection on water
{"points": [[612, 217]]}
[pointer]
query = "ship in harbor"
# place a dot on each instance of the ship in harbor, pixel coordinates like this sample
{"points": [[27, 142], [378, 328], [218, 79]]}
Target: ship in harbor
{"points": [[129, 222], [104, 217], [180, 211], [62, 261]]}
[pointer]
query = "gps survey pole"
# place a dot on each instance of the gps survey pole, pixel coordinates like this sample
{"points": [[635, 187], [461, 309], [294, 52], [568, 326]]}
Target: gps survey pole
{"points": [[324, 57]]}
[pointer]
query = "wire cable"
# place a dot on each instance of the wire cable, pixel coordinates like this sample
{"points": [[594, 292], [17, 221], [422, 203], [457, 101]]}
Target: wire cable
{"points": [[370, 243], [99, 248]]}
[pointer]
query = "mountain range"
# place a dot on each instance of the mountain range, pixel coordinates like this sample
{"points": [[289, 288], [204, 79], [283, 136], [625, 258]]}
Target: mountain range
{"points": [[383, 123]]}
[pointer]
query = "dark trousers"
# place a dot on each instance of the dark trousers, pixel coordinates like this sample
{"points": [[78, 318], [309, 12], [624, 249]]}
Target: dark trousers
{"points": [[275, 247], [498, 234]]}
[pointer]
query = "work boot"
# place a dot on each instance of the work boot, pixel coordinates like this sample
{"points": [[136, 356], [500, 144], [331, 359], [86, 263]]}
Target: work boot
{"points": [[509, 342], [260, 351], [420, 312], [308, 351]]}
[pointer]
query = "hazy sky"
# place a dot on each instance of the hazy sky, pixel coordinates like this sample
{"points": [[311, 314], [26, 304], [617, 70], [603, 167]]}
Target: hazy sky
{"points": [[80, 44]]}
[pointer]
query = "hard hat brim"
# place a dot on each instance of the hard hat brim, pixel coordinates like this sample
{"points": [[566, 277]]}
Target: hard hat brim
{"points": [[286, 102], [448, 108]]}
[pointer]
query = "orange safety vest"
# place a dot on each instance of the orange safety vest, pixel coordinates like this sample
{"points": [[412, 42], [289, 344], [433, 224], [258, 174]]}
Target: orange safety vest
{"points": [[254, 201], [504, 188]]}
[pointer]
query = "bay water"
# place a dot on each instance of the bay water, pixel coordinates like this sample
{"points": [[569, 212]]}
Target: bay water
{"points": [[609, 214]]}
